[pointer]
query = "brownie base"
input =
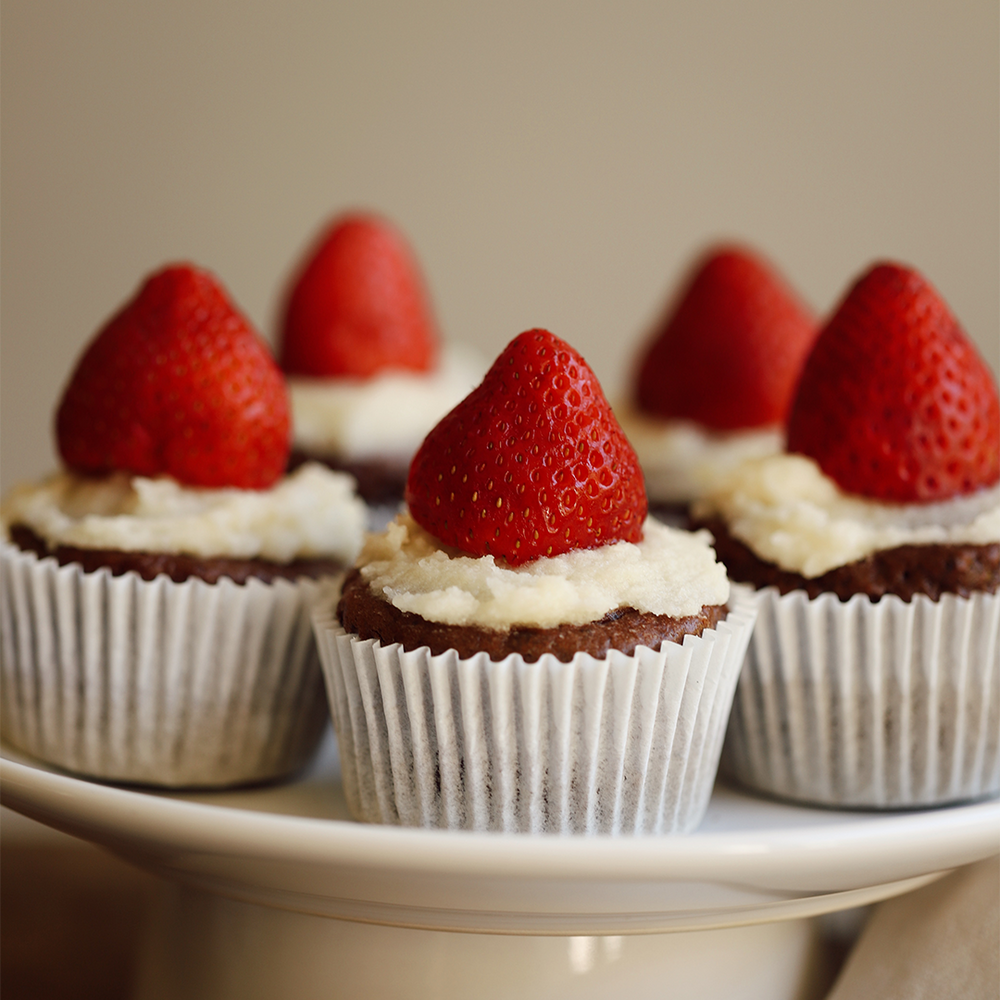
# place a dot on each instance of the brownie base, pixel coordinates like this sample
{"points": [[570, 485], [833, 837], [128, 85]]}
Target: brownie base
{"points": [[177, 566], [380, 481], [904, 571], [364, 613], [676, 514]]}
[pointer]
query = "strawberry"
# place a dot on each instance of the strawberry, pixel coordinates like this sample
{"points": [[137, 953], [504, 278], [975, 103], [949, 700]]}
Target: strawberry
{"points": [[177, 383], [729, 352], [531, 463], [894, 401], [358, 306]]}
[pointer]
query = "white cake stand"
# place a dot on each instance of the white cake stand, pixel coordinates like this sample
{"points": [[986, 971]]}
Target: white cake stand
{"points": [[255, 876]]}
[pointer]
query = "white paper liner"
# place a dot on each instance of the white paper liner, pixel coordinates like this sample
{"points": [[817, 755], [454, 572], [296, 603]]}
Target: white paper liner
{"points": [[161, 683], [886, 704], [627, 744]]}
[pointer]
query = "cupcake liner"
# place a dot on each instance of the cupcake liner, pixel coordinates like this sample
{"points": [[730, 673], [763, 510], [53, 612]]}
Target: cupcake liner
{"points": [[156, 682], [884, 704], [626, 744]]}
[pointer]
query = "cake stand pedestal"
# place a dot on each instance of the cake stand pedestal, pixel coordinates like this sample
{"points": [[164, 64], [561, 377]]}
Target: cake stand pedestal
{"points": [[276, 892], [202, 946]]}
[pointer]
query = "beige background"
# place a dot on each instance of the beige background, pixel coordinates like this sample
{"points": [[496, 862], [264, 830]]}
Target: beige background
{"points": [[554, 164]]}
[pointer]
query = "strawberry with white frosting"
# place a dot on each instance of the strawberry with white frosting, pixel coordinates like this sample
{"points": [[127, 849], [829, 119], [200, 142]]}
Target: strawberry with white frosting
{"points": [[158, 587], [358, 342], [890, 483], [875, 541], [523, 602], [714, 382]]}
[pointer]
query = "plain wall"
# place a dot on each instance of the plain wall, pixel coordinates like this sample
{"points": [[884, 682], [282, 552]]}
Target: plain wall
{"points": [[554, 164]]}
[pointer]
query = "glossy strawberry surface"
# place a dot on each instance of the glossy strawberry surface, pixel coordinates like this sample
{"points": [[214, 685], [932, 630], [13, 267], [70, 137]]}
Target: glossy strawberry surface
{"points": [[532, 463], [358, 305], [728, 353], [895, 402], [177, 383]]}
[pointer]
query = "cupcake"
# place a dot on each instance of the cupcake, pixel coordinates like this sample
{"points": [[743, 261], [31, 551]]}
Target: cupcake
{"points": [[522, 649], [716, 377], [367, 374], [873, 676], [156, 591]]}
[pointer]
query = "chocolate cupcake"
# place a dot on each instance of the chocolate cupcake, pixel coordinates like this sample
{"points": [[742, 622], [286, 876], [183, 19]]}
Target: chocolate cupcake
{"points": [[715, 380], [367, 374], [523, 650], [364, 611], [156, 593], [873, 677]]}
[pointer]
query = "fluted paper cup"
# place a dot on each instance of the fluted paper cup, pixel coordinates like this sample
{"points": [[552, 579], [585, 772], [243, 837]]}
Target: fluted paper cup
{"points": [[626, 744], [871, 704], [155, 682]]}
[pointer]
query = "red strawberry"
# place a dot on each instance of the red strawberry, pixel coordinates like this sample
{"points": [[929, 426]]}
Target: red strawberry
{"points": [[358, 306], [179, 384], [894, 401], [728, 354], [531, 463]]}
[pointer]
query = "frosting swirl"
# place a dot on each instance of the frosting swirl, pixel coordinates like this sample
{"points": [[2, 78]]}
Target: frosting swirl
{"points": [[387, 416], [682, 460], [670, 572], [313, 512], [791, 514]]}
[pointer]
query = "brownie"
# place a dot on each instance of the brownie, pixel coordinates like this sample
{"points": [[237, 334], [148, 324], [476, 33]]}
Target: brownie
{"points": [[367, 615], [178, 566], [674, 513], [904, 571], [380, 481]]}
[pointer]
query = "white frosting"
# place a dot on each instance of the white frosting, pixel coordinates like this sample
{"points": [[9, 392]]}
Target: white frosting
{"points": [[791, 514], [682, 460], [311, 513], [670, 572], [387, 416]]}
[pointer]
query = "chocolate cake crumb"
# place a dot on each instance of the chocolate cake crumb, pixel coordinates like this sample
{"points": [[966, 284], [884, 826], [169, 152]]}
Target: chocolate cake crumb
{"points": [[366, 614], [670, 512], [904, 571], [178, 566]]}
